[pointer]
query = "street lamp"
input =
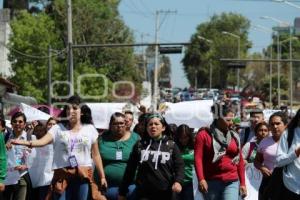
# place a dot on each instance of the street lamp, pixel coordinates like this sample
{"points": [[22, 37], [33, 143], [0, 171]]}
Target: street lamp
{"points": [[210, 66], [267, 30], [280, 23], [238, 53], [288, 3], [290, 39]]}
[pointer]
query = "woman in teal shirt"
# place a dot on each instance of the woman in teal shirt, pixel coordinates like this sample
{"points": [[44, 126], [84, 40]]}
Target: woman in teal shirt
{"points": [[115, 146], [185, 141]]}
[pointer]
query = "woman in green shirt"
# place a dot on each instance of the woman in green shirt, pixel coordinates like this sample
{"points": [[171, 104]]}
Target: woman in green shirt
{"points": [[185, 141], [115, 146]]}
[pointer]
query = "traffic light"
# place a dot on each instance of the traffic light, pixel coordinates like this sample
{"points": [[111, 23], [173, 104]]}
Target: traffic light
{"points": [[170, 50], [236, 64]]}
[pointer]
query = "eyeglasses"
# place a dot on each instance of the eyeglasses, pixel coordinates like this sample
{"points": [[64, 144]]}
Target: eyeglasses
{"points": [[17, 121]]}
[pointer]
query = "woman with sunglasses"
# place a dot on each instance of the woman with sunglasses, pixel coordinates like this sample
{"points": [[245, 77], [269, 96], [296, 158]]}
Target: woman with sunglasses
{"points": [[22, 189]]}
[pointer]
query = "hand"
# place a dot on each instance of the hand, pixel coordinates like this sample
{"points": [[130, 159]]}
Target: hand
{"points": [[243, 191], [203, 187], [142, 108], [2, 187], [21, 167], [103, 182], [8, 145], [297, 151], [176, 187], [265, 171], [121, 198]]}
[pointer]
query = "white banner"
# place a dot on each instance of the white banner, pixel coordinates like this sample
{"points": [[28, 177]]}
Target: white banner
{"points": [[40, 171], [253, 180], [195, 114], [33, 114], [101, 113]]}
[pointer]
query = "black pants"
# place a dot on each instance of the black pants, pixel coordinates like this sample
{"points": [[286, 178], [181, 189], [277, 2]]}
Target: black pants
{"points": [[264, 183], [19, 191], [142, 194], [289, 195]]}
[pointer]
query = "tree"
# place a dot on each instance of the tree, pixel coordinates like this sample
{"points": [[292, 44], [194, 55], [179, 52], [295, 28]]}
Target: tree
{"points": [[94, 22], [200, 54]]}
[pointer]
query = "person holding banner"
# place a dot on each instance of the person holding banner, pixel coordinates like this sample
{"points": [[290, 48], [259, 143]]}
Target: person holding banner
{"points": [[75, 150], [218, 160], [266, 152]]}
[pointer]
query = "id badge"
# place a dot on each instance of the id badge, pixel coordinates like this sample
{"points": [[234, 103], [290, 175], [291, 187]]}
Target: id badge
{"points": [[119, 155], [73, 161]]}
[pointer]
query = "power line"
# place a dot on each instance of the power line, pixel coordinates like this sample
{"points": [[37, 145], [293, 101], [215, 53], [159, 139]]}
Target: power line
{"points": [[33, 56]]}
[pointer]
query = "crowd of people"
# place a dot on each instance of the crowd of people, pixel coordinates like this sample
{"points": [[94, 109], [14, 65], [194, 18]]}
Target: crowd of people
{"points": [[68, 158]]}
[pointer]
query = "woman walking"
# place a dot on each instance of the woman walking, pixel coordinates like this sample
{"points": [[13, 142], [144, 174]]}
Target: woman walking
{"points": [[218, 160], [75, 149]]}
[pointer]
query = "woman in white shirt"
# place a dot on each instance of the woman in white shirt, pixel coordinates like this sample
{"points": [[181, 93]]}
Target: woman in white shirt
{"points": [[75, 148], [288, 153]]}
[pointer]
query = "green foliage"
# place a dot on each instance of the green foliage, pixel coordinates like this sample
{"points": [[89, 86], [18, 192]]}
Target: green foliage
{"points": [[94, 22], [200, 54], [32, 34]]}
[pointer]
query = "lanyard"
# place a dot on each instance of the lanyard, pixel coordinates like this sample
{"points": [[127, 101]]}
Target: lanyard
{"points": [[72, 143]]}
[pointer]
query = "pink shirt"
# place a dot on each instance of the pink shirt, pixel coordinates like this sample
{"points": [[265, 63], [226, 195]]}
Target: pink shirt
{"points": [[268, 147]]}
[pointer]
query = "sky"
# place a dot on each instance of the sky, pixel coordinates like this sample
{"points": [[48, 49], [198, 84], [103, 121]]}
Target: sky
{"points": [[139, 15]]}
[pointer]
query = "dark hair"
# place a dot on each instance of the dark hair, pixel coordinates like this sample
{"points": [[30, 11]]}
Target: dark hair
{"points": [[260, 125], [220, 110], [150, 116], [50, 119], [173, 130], [114, 117], [18, 114], [2, 122], [86, 115], [181, 130], [282, 115], [293, 125], [256, 111], [128, 112], [39, 131], [85, 118]]}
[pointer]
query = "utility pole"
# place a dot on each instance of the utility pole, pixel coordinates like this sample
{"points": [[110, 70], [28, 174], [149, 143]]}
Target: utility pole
{"points": [[278, 69], [144, 58], [49, 74], [156, 86], [70, 50]]}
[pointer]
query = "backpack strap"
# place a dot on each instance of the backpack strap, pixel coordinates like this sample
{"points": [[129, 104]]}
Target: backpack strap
{"points": [[29, 136], [246, 135], [251, 148]]}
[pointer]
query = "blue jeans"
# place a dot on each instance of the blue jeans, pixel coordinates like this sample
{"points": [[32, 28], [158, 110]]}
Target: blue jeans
{"points": [[76, 190], [219, 190], [113, 192]]}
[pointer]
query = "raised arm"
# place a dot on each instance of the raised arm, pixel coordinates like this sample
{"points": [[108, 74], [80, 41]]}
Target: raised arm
{"points": [[47, 139]]}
